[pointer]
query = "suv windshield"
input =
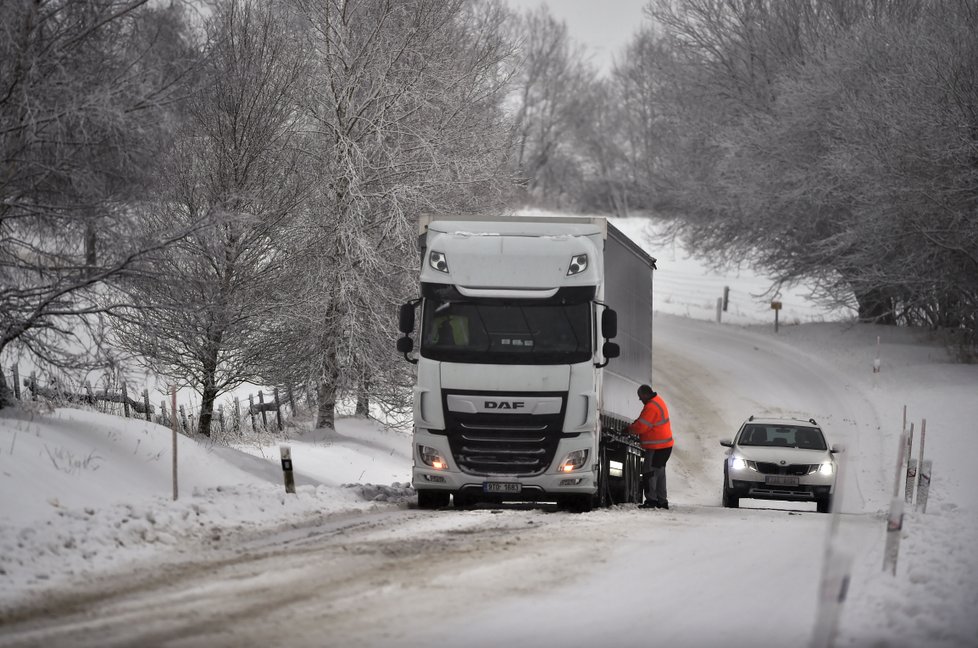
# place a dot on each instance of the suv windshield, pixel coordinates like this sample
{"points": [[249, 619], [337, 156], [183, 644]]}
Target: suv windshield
{"points": [[782, 435], [506, 331]]}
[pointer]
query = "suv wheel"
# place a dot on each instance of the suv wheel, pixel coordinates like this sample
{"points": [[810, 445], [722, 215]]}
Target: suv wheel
{"points": [[728, 500], [824, 504]]}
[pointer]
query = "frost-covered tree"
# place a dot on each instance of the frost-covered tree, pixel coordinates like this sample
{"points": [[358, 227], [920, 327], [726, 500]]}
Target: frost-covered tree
{"points": [[85, 87], [236, 167], [404, 115], [550, 93]]}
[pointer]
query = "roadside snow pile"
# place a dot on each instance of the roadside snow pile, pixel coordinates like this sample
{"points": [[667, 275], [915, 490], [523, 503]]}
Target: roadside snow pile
{"points": [[113, 483]]}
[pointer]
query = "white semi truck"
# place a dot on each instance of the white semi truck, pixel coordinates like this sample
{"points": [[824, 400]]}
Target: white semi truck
{"points": [[535, 333]]}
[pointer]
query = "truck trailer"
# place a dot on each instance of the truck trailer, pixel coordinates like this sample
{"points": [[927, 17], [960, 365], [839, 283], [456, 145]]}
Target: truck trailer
{"points": [[534, 335]]}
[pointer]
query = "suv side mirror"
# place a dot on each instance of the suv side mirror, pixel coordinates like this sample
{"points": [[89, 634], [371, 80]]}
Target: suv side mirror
{"points": [[405, 320], [609, 324]]}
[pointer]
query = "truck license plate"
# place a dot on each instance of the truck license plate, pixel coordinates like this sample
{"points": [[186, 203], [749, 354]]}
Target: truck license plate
{"points": [[501, 487], [781, 480]]}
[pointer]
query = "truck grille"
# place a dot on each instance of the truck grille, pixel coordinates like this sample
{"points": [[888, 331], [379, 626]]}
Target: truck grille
{"points": [[504, 444]]}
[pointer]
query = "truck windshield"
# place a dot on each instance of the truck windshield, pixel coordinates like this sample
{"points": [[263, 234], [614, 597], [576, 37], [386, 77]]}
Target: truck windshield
{"points": [[506, 332]]}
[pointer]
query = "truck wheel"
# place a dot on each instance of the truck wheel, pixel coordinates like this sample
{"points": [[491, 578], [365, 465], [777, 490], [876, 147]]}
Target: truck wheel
{"points": [[824, 504], [581, 503], [462, 500], [431, 499]]}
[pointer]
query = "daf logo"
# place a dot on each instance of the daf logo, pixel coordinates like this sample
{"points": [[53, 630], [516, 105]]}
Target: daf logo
{"points": [[504, 405], [782, 462]]}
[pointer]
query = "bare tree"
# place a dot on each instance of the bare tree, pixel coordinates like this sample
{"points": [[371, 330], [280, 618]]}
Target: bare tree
{"points": [[237, 166], [84, 90], [550, 92], [405, 115]]}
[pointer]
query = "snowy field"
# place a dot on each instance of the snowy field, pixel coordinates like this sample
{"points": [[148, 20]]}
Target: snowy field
{"points": [[86, 499]]}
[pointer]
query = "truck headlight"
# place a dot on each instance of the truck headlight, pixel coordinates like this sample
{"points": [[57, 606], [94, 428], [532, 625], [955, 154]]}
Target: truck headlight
{"points": [[573, 461], [432, 457], [578, 264], [438, 261]]}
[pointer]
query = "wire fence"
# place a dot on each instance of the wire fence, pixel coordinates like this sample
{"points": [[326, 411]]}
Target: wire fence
{"points": [[263, 411]]}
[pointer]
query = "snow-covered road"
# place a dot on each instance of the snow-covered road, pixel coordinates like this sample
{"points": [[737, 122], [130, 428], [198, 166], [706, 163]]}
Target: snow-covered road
{"points": [[696, 575]]}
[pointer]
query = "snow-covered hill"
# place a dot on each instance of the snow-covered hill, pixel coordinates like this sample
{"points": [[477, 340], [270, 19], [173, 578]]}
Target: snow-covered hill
{"points": [[86, 496]]}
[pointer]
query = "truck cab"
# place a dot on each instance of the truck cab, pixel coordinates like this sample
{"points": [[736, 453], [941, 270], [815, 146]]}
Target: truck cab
{"points": [[510, 401]]}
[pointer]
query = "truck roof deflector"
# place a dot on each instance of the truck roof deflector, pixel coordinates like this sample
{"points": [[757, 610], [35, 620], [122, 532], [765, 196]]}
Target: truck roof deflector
{"points": [[507, 293]]}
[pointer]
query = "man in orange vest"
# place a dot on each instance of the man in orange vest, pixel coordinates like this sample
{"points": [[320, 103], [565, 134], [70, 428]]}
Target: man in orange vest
{"points": [[655, 432]]}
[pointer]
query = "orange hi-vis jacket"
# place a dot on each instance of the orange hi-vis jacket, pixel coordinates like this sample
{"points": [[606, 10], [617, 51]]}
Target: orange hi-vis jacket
{"points": [[652, 426]]}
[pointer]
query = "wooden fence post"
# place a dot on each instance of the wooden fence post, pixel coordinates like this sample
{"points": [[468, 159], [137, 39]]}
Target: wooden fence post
{"points": [[164, 419], [220, 417], [278, 409], [251, 410], [32, 385], [261, 407], [183, 420], [237, 415], [149, 416], [125, 400], [16, 382], [291, 400]]}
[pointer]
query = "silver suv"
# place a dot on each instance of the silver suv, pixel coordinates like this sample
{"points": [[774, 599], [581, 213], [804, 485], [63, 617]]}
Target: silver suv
{"points": [[780, 459]]}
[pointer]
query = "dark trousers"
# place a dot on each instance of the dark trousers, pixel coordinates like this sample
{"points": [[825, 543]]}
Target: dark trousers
{"points": [[654, 475]]}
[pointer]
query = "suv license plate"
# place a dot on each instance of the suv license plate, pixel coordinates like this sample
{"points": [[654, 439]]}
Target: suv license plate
{"points": [[501, 487], [781, 480]]}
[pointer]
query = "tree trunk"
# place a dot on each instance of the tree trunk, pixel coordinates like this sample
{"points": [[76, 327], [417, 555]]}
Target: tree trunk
{"points": [[875, 306], [208, 392], [207, 397], [6, 394], [326, 391], [363, 400]]}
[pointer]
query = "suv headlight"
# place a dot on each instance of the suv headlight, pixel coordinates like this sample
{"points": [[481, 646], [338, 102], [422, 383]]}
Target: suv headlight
{"points": [[739, 463], [825, 468], [573, 461]]}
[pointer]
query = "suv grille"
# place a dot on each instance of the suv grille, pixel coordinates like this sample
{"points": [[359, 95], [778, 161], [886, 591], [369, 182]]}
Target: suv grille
{"points": [[509, 444], [800, 470]]}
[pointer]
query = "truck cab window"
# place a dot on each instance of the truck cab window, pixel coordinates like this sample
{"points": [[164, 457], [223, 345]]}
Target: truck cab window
{"points": [[498, 332]]}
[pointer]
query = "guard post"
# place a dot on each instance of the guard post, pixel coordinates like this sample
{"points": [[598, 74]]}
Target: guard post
{"points": [[776, 307], [287, 468]]}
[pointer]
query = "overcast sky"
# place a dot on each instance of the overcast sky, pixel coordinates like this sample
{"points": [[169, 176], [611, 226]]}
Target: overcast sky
{"points": [[604, 26]]}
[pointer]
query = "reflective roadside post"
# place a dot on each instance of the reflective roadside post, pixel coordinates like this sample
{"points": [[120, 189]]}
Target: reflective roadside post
{"points": [[287, 468]]}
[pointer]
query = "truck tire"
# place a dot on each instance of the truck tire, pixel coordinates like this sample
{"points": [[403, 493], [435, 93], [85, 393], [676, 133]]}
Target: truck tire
{"points": [[432, 499], [581, 503]]}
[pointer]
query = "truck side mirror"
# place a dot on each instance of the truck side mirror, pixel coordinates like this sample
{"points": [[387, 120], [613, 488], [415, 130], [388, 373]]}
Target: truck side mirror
{"points": [[405, 345], [609, 350], [609, 324], [405, 320]]}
